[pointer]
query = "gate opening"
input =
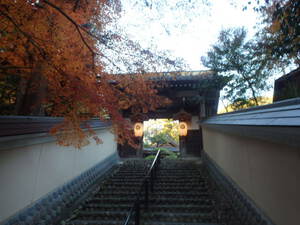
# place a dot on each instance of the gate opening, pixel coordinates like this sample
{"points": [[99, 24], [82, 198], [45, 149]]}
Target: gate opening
{"points": [[161, 134]]}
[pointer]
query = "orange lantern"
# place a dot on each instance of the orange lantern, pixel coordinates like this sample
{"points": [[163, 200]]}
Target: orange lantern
{"points": [[182, 128], [138, 129]]}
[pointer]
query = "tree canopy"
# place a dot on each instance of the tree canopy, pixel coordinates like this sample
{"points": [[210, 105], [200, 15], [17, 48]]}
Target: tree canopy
{"points": [[249, 63], [55, 56], [278, 40], [235, 58], [162, 131], [61, 57]]}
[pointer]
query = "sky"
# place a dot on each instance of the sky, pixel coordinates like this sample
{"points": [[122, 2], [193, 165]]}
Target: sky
{"points": [[187, 30]]}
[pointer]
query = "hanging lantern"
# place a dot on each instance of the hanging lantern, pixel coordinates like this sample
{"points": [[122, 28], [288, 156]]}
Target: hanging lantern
{"points": [[182, 129], [138, 129]]}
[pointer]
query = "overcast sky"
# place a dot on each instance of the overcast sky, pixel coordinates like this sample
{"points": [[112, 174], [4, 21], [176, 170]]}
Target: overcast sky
{"points": [[187, 30]]}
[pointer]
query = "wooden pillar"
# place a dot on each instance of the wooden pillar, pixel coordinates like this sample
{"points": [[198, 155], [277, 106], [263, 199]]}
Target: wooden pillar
{"points": [[182, 146], [139, 150], [192, 143]]}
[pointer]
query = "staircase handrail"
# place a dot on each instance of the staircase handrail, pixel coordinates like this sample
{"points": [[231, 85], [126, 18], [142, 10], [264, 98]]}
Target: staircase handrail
{"points": [[149, 178]]}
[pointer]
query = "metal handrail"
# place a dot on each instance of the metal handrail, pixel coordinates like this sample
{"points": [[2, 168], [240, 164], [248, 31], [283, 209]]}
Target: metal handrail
{"points": [[148, 179]]}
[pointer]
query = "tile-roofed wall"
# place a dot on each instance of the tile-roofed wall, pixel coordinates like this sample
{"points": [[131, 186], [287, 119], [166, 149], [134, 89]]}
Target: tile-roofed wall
{"points": [[182, 75]]}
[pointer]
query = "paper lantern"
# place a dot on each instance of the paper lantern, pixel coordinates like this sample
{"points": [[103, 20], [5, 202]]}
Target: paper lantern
{"points": [[182, 129], [138, 129]]}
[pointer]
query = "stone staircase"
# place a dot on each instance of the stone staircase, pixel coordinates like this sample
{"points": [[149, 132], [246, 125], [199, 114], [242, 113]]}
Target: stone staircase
{"points": [[183, 195]]}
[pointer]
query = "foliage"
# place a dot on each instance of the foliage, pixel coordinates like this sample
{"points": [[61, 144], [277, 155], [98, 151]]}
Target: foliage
{"points": [[165, 153], [241, 103], [8, 91], [279, 38], [150, 157], [56, 49], [158, 139], [160, 132], [235, 58]]}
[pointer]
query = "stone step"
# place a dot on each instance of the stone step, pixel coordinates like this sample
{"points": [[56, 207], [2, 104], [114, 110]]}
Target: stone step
{"points": [[106, 206], [174, 172], [117, 214], [180, 182], [111, 200], [96, 222], [186, 188], [102, 214], [199, 200], [180, 217], [159, 182], [174, 223], [170, 191], [121, 176], [181, 208], [157, 195], [187, 175], [118, 180], [123, 183], [111, 222], [181, 185], [167, 176], [158, 188], [162, 207], [178, 169], [182, 196], [115, 188], [182, 201]]}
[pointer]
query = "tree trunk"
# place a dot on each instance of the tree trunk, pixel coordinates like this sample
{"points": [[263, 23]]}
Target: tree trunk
{"points": [[31, 94], [251, 87]]}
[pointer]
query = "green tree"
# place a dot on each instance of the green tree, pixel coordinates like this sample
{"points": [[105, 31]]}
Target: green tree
{"points": [[160, 132], [278, 40], [235, 58], [244, 103]]}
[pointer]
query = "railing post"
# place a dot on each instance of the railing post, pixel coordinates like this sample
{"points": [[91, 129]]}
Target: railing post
{"points": [[137, 213], [146, 194], [149, 178]]}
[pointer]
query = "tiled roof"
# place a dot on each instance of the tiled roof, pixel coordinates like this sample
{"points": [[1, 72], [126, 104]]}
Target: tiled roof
{"points": [[182, 75]]}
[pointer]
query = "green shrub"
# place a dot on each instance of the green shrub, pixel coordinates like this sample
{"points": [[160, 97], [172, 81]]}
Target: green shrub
{"points": [[165, 153], [150, 157]]}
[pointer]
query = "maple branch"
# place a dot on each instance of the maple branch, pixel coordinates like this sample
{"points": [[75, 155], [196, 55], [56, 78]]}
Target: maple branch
{"points": [[14, 67], [110, 61], [76, 5], [77, 26], [29, 37]]}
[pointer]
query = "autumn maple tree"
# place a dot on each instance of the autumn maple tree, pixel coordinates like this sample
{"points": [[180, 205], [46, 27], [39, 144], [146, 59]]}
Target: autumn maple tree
{"points": [[51, 49]]}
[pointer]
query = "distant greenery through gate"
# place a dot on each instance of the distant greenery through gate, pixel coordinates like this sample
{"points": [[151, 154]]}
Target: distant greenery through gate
{"points": [[161, 134]]}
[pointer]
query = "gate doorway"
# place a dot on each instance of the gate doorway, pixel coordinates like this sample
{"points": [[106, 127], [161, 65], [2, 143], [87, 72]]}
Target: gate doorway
{"points": [[161, 134]]}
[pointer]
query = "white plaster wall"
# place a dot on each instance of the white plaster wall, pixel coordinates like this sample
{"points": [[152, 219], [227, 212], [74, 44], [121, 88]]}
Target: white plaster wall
{"points": [[269, 173], [194, 123], [28, 173]]}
